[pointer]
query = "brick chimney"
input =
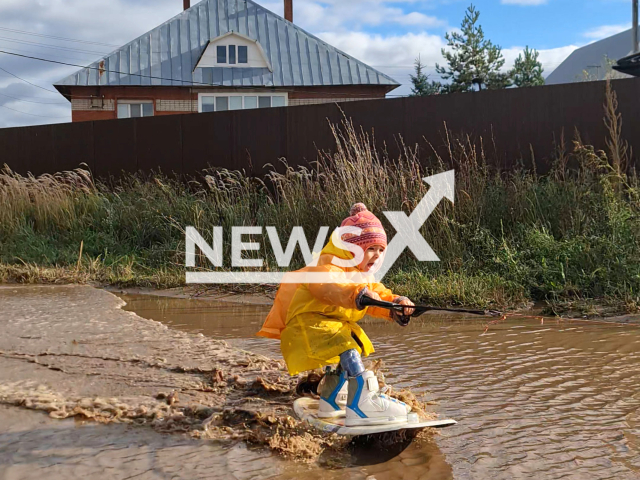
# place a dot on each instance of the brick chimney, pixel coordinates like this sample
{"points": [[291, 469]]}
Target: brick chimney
{"points": [[186, 4], [288, 10]]}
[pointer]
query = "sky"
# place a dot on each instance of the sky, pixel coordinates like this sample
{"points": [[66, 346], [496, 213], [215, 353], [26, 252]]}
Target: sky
{"points": [[386, 34]]}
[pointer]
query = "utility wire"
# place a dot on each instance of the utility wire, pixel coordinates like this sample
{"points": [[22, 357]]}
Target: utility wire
{"points": [[71, 56], [145, 76], [88, 42], [27, 81], [341, 95], [102, 69], [33, 101], [43, 45], [31, 114]]}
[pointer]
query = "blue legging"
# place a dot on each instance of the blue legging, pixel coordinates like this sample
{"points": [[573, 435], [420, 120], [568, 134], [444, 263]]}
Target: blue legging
{"points": [[351, 362]]}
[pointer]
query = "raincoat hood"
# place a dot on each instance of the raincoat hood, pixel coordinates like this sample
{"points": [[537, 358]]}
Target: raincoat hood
{"points": [[330, 251]]}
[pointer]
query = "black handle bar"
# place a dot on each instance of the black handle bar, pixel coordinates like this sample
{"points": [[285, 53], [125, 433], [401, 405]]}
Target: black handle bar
{"points": [[418, 310]]}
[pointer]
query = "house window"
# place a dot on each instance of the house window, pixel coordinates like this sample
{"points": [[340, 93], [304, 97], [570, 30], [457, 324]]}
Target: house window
{"points": [[222, 54], [264, 102], [220, 102], [243, 56], [235, 103], [232, 54], [133, 109], [233, 50], [250, 101]]}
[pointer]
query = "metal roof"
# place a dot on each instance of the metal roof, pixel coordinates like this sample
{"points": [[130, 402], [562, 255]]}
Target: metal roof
{"points": [[168, 54], [592, 59]]}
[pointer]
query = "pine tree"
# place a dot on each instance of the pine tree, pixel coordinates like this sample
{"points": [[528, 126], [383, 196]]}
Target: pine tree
{"points": [[472, 60], [421, 84], [527, 70]]}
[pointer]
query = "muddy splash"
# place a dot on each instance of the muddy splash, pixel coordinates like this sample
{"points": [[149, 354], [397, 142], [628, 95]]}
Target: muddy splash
{"points": [[73, 352]]}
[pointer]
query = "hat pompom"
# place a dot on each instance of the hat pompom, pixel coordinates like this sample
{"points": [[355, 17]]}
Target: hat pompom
{"points": [[357, 208], [372, 231]]}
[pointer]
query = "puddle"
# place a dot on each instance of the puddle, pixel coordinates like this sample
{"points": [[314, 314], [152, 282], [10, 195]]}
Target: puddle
{"points": [[554, 401], [73, 352]]}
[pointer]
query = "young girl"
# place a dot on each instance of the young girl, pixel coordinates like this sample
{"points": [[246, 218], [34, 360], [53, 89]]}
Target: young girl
{"points": [[317, 326]]}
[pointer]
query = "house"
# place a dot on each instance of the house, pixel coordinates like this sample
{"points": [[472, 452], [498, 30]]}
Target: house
{"points": [[219, 55], [594, 61]]}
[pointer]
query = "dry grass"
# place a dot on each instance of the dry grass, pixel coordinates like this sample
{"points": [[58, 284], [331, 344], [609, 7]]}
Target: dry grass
{"points": [[511, 237]]}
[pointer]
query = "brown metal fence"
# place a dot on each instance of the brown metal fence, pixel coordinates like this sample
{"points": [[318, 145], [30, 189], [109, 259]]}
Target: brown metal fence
{"points": [[513, 125]]}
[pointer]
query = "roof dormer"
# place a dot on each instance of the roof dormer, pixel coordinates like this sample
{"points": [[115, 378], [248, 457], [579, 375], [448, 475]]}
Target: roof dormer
{"points": [[233, 50]]}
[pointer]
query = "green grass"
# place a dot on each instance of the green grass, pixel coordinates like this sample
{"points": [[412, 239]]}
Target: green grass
{"points": [[511, 237]]}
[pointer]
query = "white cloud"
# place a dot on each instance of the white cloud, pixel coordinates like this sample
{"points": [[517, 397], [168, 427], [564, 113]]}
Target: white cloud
{"points": [[605, 31], [550, 58], [393, 55], [354, 14], [392, 50], [113, 22], [116, 22], [419, 19], [524, 2]]}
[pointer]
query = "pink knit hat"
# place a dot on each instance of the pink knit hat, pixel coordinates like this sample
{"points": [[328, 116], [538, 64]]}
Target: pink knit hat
{"points": [[372, 231]]}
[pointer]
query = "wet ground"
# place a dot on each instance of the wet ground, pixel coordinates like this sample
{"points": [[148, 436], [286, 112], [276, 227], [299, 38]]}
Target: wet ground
{"points": [[553, 400], [73, 353]]}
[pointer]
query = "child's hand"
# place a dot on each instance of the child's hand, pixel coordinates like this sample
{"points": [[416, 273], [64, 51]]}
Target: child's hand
{"points": [[373, 295], [365, 292], [405, 301]]}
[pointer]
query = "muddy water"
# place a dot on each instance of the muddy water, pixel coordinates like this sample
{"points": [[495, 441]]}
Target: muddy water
{"points": [[553, 400]]}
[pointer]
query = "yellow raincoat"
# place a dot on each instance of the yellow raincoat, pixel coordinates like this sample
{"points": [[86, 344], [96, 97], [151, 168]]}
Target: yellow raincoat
{"points": [[316, 322]]}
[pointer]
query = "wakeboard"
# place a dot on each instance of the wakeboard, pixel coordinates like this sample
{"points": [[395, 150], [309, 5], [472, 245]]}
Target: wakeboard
{"points": [[307, 409]]}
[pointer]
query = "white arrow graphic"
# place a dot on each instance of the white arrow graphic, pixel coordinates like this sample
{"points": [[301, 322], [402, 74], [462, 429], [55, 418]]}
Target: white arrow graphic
{"points": [[408, 228]]}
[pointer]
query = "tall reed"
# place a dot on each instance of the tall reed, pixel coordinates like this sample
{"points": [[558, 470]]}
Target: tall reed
{"points": [[511, 237]]}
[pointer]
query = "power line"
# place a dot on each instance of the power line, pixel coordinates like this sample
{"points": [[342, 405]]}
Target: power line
{"points": [[137, 75], [103, 69], [23, 32], [27, 81], [51, 55], [89, 42], [31, 114], [43, 45], [32, 101], [140, 75]]}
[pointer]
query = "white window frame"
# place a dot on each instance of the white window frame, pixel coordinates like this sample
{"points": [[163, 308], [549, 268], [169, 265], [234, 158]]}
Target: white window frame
{"points": [[227, 64], [135, 102], [256, 57], [245, 94]]}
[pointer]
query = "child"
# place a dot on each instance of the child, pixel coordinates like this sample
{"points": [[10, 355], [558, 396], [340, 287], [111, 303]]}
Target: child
{"points": [[317, 326]]}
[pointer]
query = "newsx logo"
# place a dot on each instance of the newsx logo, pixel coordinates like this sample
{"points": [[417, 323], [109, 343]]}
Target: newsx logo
{"points": [[407, 235]]}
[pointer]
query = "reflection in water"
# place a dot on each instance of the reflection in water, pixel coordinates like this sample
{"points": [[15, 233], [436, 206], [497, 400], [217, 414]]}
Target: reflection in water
{"points": [[534, 401]]}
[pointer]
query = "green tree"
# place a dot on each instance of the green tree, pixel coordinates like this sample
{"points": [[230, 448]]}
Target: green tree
{"points": [[527, 70], [473, 60], [421, 84]]}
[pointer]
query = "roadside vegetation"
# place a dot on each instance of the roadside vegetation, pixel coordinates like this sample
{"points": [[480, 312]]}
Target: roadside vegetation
{"points": [[569, 237]]}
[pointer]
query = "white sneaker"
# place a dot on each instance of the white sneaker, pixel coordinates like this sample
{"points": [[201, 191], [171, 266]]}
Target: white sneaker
{"points": [[333, 395], [368, 406]]}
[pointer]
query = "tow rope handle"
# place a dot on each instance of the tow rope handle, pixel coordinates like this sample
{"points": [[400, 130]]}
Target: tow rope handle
{"points": [[403, 320]]}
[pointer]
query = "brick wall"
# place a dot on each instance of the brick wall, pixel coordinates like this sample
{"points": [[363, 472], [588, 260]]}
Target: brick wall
{"points": [[100, 103]]}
